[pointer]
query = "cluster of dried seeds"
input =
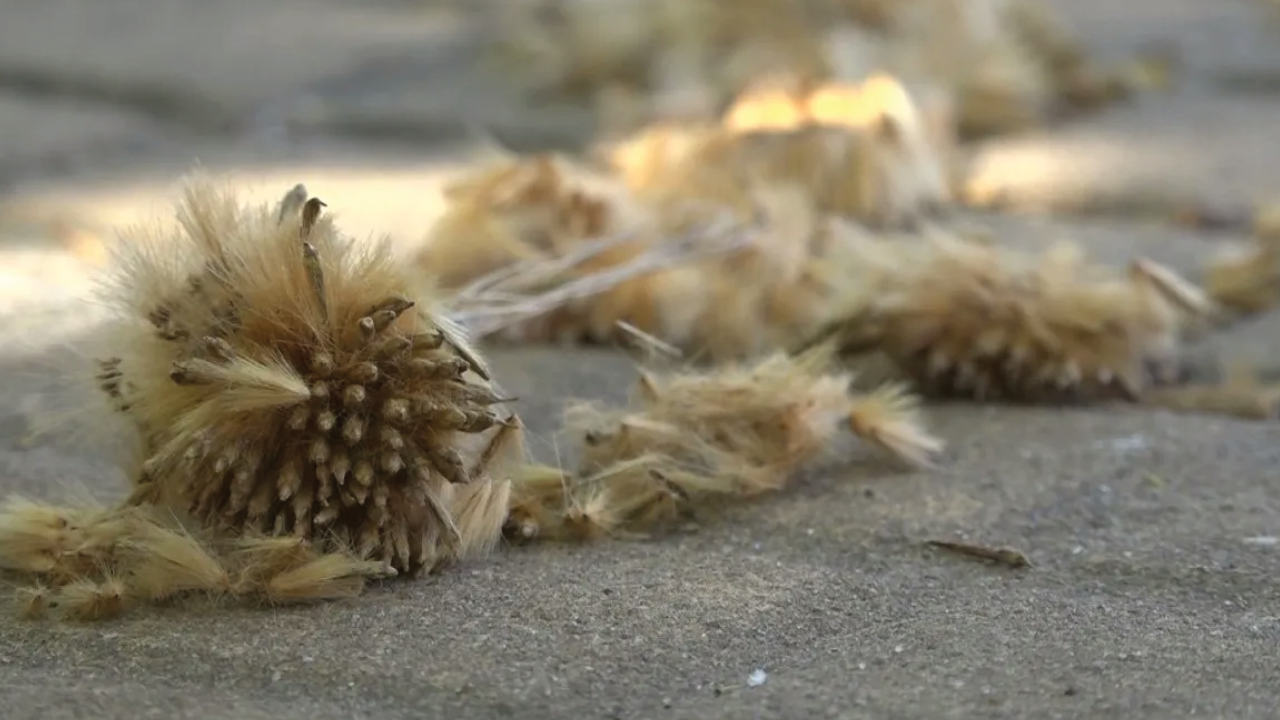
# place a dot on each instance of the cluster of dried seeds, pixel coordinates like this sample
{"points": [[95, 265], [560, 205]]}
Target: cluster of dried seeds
{"points": [[699, 439], [962, 318], [305, 393], [308, 420], [95, 563]]}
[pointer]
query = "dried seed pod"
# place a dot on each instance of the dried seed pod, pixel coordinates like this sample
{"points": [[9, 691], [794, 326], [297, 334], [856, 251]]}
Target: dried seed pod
{"points": [[967, 319], [306, 386]]}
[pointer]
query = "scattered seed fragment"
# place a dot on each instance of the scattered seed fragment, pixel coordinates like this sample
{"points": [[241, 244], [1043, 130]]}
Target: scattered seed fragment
{"points": [[1000, 556]]}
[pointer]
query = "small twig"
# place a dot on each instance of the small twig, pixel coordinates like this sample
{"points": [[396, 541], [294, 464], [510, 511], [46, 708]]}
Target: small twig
{"points": [[1000, 556], [649, 342], [1249, 402], [485, 283], [529, 273], [483, 321], [533, 271], [483, 313]]}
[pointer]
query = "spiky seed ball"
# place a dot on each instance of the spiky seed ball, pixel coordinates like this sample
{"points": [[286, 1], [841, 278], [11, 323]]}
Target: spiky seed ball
{"points": [[286, 381]]}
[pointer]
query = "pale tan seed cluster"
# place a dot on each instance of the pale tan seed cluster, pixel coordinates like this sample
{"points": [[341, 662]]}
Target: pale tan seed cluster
{"points": [[696, 440], [87, 563], [962, 318]]}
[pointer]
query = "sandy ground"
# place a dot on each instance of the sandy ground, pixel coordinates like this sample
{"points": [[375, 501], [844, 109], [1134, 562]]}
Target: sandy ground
{"points": [[1153, 536]]}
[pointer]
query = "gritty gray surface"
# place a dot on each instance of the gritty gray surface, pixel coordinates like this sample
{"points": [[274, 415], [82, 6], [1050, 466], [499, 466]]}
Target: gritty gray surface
{"points": [[1150, 594]]}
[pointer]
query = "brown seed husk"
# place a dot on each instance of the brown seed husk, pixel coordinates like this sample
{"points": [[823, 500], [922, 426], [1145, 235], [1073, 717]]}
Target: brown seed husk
{"points": [[289, 381]]}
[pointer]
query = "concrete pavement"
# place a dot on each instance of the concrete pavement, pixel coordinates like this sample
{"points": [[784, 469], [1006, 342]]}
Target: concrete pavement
{"points": [[1152, 536]]}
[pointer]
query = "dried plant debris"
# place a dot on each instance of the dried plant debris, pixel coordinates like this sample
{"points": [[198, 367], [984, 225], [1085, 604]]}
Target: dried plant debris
{"points": [[694, 439], [92, 564], [512, 208], [715, 284], [962, 318], [1246, 278], [1008, 64], [289, 381], [1006, 557], [587, 293], [678, 57], [707, 238], [541, 248], [866, 150], [1241, 391]]}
